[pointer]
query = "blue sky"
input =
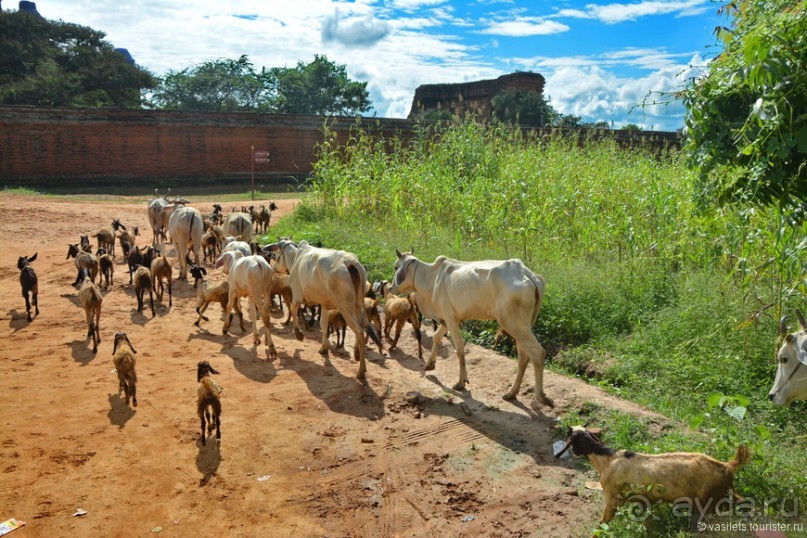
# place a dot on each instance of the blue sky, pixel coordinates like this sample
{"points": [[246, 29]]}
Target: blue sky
{"points": [[600, 59]]}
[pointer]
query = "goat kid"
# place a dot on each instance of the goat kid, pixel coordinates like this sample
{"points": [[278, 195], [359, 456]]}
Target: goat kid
{"points": [[90, 296], [125, 367], [208, 400]]}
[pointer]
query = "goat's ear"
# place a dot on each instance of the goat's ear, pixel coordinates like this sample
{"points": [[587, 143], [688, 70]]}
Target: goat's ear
{"points": [[32, 258], [131, 346], [115, 346], [212, 370], [596, 432]]}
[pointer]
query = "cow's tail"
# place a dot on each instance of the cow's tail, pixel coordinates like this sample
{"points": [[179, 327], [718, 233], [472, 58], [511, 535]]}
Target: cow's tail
{"points": [[358, 287], [539, 283]]}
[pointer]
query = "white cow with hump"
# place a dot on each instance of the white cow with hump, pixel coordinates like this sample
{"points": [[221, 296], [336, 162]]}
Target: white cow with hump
{"points": [[335, 280], [791, 374], [185, 226], [451, 291]]}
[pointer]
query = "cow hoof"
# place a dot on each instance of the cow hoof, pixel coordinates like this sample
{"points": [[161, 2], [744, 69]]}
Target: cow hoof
{"points": [[323, 352], [298, 334], [543, 399], [429, 366], [509, 396], [459, 386]]}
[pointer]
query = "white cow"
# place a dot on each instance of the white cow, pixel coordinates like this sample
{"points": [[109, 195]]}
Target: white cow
{"points": [[238, 224], [251, 276], [333, 279], [452, 291], [791, 375], [185, 227]]}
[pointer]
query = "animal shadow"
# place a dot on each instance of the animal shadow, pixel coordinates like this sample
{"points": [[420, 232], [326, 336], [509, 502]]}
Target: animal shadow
{"points": [[208, 459], [81, 350], [119, 413]]}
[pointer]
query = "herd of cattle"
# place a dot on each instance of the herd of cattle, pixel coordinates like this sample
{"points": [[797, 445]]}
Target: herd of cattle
{"points": [[446, 291]]}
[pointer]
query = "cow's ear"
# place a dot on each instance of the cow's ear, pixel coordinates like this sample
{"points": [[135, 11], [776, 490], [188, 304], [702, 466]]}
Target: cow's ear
{"points": [[398, 253], [400, 276]]}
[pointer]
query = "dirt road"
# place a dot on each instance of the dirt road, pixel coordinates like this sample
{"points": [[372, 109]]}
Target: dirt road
{"points": [[305, 449]]}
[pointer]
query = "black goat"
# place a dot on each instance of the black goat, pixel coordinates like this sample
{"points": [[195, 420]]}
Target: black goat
{"points": [[29, 283]]}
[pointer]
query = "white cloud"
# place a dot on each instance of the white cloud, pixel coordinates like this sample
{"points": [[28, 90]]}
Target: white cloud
{"points": [[525, 26], [597, 94], [411, 5], [360, 32], [617, 12]]}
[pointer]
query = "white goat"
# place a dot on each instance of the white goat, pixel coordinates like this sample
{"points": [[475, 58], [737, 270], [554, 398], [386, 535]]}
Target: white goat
{"points": [[185, 227], [791, 373], [677, 477], [453, 291], [335, 280], [251, 276]]}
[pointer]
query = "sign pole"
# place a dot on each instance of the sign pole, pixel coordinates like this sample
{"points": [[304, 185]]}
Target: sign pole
{"points": [[252, 167]]}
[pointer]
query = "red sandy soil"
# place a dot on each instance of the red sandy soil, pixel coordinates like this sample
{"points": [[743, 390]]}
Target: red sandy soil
{"points": [[306, 450]]}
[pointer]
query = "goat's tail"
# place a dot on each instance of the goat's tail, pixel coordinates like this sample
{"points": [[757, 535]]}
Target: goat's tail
{"points": [[742, 457]]}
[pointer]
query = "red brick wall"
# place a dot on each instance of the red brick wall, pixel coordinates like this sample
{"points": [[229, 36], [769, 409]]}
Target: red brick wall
{"points": [[45, 147], [65, 148]]}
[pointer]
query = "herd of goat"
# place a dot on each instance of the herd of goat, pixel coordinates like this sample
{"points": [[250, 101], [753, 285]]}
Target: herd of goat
{"points": [[332, 286]]}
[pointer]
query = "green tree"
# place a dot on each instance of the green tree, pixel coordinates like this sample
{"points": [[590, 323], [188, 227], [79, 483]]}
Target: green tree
{"points": [[217, 86], [320, 87], [632, 127], [522, 107], [747, 118], [54, 63]]}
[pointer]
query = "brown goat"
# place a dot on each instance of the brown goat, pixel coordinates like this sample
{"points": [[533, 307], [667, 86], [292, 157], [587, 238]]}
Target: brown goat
{"points": [[399, 310], [208, 400], [90, 296], [143, 282], [677, 477], [161, 269], [125, 366]]}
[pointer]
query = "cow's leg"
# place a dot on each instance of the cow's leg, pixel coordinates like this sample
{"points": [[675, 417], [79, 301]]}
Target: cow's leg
{"points": [[233, 297], [326, 344], [253, 314], [266, 317], [459, 346], [358, 350], [529, 350], [437, 339]]}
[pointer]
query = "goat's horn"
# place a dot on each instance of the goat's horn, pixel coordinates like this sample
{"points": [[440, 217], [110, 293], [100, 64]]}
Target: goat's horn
{"points": [[801, 320], [783, 325], [565, 448]]}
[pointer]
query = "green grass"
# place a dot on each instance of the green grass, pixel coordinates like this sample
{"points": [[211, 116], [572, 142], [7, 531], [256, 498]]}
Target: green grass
{"points": [[667, 302], [136, 196]]}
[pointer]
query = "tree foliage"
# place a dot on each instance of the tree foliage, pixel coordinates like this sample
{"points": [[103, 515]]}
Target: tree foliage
{"points": [[320, 87], [523, 107], [747, 119], [224, 85], [54, 63], [216, 86]]}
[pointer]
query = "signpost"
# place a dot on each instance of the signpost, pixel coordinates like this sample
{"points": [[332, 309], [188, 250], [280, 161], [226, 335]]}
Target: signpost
{"points": [[260, 157]]}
